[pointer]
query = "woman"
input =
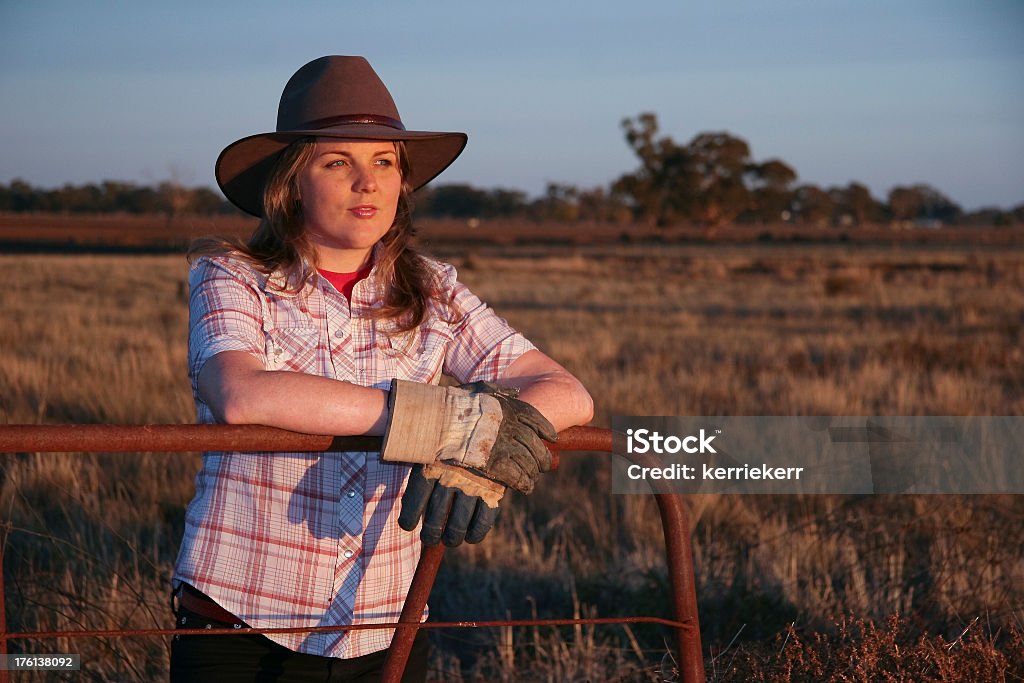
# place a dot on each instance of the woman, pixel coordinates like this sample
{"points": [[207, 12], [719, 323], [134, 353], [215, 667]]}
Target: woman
{"points": [[327, 322]]}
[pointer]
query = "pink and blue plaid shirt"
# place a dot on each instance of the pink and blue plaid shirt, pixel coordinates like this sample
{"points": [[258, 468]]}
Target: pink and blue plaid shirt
{"points": [[312, 539]]}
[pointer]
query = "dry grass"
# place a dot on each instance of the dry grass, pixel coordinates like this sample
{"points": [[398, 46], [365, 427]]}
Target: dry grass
{"points": [[672, 329]]}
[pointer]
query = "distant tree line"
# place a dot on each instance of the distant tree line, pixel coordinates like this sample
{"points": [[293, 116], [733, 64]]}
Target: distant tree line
{"points": [[113, 197], [713, 180], [563, 203], [709, 181]]}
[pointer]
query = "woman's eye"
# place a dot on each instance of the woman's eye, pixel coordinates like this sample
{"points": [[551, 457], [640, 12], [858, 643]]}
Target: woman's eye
{"points": [[337, 162], [385, 162]]}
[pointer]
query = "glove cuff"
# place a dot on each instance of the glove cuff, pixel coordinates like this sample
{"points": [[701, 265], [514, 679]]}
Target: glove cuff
{"points": [[428, 423], [489, 491]]}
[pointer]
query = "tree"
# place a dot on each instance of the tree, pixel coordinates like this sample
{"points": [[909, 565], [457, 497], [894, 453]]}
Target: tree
{"points": [[702, 181], [465, 201], [987, 217], [503, 202], [922, 202], [938, 206], [559, 203], [457, 201], [22, 196], [856, 202], [663, 189], [600, 206], [175, 197], [905, 203], [770, 183], [76, 199], [812, 205], [206, 201], [1017, 213], [721, 161]]}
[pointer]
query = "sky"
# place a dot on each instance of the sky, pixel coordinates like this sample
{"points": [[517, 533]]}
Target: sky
{"points": [[883, 92]]}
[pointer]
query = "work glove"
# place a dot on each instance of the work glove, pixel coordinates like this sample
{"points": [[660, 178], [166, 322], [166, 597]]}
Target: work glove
{"points": [[491, 434], [455, 504]]}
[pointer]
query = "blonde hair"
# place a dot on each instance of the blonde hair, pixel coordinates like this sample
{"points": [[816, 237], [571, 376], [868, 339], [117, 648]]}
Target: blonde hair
{"points": [[280, 242]]}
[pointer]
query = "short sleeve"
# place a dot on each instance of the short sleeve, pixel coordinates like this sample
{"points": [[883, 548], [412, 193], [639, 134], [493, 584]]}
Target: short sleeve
{"points": [[483, 344], [225, 312]]}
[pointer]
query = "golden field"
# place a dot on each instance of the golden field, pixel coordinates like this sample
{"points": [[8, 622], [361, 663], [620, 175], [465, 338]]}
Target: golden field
{"points": [[790, 588]]}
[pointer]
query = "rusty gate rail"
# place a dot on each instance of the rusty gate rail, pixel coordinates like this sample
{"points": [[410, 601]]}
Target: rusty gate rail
{"points": [[186, 438]]}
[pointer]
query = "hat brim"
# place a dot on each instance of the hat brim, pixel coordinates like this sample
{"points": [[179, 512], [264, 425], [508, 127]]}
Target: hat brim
{"points": [[244, 165]]}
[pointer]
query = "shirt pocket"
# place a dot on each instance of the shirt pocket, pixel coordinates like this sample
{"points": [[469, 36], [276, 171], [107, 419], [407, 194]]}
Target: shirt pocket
{"points": [[416, 355], [293, 348]]}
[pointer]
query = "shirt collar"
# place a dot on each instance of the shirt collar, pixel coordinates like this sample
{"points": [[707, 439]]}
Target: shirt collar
{"points": [[280, 278], [281, 281]]}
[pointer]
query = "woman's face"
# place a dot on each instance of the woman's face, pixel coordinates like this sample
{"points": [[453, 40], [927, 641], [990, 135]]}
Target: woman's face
{"points": [[349, 193]]}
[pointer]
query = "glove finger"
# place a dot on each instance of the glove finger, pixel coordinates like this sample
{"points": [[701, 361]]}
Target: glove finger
{"points": [[436, 516], [506, 471], [515, 464], [483, 520], [459, 518], [528, 415], [415, 499], [529, 451], [537, 449]]}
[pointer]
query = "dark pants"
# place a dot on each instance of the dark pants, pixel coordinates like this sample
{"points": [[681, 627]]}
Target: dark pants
{"points": [[257, 659]]}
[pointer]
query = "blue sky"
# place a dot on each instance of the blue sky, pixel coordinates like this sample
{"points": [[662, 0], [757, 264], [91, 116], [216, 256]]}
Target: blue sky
{"points": [[884, 92]]}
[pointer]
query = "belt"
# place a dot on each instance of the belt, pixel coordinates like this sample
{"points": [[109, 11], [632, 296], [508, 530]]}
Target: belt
{"points": [[197, 602]]}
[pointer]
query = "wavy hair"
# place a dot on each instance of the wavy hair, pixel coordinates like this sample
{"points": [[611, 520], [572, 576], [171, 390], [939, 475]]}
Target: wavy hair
{"points": [[280, 243]]}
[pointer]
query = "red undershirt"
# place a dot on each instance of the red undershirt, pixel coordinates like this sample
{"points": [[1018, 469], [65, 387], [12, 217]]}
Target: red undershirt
{"points": [[345, 282]]}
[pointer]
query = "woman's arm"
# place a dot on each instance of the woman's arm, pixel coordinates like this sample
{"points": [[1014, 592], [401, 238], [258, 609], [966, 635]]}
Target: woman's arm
{"points": [[240, 391], [226, 357], [551, 389]]}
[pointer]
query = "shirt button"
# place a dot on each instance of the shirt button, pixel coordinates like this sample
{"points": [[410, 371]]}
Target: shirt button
{"points": [[351, 494], [348, 554], [339, 334]]}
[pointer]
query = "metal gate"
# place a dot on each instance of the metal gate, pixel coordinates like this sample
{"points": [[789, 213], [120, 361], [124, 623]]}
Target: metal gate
{"points": [[190, 438]]}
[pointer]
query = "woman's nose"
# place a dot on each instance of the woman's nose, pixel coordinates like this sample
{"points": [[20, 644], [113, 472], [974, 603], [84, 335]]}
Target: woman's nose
{"points": [[365, 181]]}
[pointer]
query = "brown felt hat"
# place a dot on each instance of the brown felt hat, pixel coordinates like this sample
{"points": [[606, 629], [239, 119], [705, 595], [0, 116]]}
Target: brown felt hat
{"points": [[336, 97]]}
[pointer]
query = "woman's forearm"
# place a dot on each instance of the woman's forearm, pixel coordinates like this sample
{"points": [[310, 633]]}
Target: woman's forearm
{"points": [[240, 391], [551, 389]]}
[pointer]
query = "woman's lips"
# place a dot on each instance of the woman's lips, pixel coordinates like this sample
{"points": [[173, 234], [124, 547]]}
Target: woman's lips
{"points": [[363, 211]]}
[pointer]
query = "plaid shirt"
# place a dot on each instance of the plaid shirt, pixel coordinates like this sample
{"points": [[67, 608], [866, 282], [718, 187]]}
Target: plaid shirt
{"points": [[312, 539]]}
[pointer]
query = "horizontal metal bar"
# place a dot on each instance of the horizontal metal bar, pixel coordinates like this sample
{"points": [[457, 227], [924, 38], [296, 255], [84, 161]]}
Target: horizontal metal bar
{"points": [[99, 438]]}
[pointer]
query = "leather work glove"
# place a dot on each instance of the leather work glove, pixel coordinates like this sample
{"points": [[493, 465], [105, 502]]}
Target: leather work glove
{"points": [[455, 504], [492, 434]]}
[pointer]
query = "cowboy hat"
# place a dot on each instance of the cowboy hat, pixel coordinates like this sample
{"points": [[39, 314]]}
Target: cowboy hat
{"points": [[336, 97]]}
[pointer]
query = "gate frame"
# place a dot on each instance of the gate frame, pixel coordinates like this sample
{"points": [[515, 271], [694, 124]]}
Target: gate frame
{"points": [[190, 438]]}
